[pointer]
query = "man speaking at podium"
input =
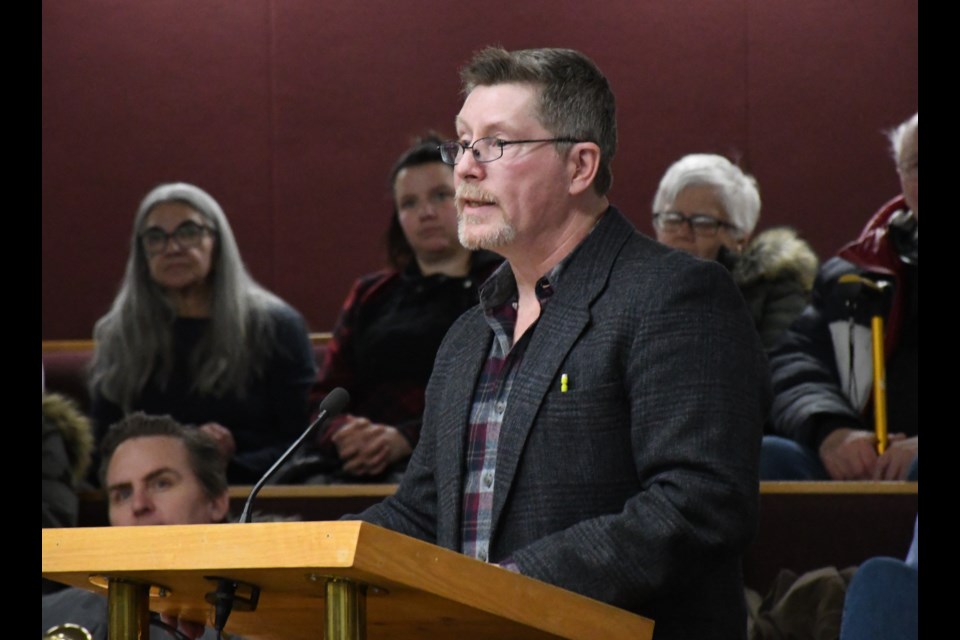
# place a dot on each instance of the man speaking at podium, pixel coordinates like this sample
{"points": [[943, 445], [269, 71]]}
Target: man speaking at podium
{"points": [[595, 422]]}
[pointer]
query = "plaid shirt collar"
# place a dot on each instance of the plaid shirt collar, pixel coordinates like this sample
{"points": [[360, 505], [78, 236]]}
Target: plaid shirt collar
{"points": [[491, 396], [498, 298]]}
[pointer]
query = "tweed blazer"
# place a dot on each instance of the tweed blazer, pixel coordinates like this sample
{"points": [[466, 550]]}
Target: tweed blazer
{"points": [[637, 485]]}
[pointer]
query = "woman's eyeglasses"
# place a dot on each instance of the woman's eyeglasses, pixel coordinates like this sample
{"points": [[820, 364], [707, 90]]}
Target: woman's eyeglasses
{"points": [[700, 223], [187, 235]]}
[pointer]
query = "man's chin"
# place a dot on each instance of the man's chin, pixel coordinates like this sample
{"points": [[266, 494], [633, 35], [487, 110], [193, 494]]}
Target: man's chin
{"points": [[469, 241], [474, 235]]}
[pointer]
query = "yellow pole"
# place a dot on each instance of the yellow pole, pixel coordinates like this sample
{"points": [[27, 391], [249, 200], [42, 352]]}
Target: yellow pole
{"points": [[879, 385], [874, 292]]}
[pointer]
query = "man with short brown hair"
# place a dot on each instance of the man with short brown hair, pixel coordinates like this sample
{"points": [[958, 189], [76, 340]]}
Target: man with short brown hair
{"points": [[594, 423], [156, 472]]}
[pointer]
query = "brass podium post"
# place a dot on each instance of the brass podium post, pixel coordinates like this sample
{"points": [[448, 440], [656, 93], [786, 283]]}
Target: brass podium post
{"points": [[346, 610], [127, 613]]}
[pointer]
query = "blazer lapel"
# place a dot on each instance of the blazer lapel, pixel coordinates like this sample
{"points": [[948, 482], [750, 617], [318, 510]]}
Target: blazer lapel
{"points": [[564, 319], [454, 421]]}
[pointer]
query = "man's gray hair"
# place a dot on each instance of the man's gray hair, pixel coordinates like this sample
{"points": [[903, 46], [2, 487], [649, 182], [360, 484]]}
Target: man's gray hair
{"points": [[900, 135]]}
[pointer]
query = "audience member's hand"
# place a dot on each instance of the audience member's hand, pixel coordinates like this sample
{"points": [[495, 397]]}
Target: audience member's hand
{"points": [[895, 462], [222, 436], [368, 448], [849, 454]]}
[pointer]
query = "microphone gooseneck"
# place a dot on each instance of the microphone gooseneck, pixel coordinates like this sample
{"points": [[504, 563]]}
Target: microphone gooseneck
{"points": [[334, 404]]}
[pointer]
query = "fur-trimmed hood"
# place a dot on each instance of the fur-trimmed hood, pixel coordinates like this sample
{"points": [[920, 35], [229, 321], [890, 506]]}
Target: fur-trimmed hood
{"points": [[75, 428], [776, 254]]}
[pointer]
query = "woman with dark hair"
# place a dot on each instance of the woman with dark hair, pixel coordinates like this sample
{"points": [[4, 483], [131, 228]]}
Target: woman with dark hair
{"points": [[393, 320], [190, 334]]}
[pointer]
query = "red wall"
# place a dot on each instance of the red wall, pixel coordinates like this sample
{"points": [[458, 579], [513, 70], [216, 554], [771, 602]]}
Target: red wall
{"points": [[290, 112]]}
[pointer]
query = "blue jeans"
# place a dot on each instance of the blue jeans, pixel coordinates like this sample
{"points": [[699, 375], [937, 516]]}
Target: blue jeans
{"points": [[882, 602], [783, 459]]}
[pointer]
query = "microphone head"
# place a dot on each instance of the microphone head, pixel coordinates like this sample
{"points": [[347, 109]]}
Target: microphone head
{"points": [[335, 402]]}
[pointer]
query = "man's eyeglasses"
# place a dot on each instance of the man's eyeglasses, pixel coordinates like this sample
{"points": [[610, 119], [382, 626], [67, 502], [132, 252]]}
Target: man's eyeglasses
{"points": [[700, 223], [187, 235], [486, 149]]}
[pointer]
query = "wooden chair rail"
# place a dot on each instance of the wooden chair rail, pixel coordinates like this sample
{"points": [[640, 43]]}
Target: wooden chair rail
{"points": [[53, 346]]}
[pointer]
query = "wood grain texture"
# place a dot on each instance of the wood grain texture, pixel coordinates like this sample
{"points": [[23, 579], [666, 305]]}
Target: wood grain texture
{"points": [[416, 590]]}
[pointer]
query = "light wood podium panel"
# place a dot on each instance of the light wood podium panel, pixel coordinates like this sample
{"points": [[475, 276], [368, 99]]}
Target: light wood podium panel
{"points": [[415, 590]]}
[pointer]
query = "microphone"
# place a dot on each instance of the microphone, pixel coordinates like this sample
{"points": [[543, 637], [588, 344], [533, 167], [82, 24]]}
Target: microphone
{"points": [[335, 402], [225, 597]]}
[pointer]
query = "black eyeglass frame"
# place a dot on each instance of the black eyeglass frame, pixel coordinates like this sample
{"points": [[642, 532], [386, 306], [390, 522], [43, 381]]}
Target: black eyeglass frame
{"points": [[176, 235], [701, 224], [460, 148]]}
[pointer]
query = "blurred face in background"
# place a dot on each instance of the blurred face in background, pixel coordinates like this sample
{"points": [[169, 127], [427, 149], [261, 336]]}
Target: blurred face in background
{"points": [[150, 481], [179, 245], [424, 198], [702, 226]]}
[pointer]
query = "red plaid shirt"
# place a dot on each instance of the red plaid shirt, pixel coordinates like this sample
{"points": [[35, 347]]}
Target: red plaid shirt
{"points": [[490, 400]]}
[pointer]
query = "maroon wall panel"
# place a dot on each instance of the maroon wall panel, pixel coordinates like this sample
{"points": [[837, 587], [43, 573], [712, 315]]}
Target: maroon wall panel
{"points": [[134, 94], [826, 79], [290, 112]]}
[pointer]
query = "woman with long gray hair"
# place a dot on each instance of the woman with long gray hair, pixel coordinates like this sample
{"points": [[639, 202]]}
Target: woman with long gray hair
{"points": [[192, 335]]}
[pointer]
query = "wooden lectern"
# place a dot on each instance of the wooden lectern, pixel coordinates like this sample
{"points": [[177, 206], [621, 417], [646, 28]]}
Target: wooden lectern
{"points": [[316, 579]]}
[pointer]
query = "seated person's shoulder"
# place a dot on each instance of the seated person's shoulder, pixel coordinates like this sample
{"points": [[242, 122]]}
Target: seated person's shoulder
{"points": [[285, 323], [371, 286], [832, 270], [828, 296], [375, 278], [74, 606]]}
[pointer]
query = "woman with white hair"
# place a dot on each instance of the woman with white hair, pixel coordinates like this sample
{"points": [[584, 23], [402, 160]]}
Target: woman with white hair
{"points": [[190, 334], [708, 207]]}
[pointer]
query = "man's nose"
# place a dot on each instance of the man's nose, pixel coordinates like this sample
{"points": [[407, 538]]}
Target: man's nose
{"points": [[468, 167], [141, 503]]}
